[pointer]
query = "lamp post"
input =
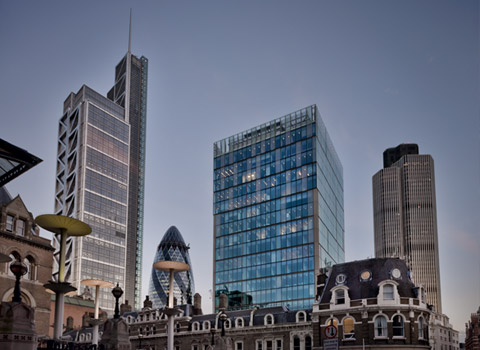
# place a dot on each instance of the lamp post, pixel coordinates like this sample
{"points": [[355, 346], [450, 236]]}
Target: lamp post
{"points": [[18, 269], [140, 336], [97, 284], [170, 311], [63, 226], [117, 293]]}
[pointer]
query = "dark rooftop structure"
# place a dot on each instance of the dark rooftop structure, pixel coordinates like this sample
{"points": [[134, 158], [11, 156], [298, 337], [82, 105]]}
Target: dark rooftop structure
{"points": [[391, 155], [14, 161]]}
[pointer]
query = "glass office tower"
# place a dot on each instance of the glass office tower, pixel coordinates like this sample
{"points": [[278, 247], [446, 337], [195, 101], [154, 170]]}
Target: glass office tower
{"points": [[100, 180], [278, 211]]}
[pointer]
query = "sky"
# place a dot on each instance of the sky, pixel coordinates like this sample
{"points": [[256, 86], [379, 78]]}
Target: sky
{"points": [[381, 73]]}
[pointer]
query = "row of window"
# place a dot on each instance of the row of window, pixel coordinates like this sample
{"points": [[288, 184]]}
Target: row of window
{"points": [[16, 225], [28, 261]]}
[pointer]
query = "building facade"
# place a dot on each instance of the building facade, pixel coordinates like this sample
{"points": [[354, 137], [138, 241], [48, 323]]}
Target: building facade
{"points": [[405, 216], [472, 332], [278, 211], [373, 304], [100, 178], [172, 247], [274, 328], [442, 334], [19, 238]]}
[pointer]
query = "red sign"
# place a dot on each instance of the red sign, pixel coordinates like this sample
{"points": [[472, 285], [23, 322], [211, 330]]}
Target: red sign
{"points": [[330, 331]]}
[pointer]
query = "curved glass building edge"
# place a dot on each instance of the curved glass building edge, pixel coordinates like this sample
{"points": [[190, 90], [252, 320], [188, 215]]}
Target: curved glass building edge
{"points": [[172, 248]]}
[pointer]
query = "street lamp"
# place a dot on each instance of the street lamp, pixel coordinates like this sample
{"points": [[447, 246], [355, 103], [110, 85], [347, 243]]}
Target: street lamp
{"points": [[18, 269], [140, 336], [117, 293], [97, 284], [64, 227], [170, 311]]}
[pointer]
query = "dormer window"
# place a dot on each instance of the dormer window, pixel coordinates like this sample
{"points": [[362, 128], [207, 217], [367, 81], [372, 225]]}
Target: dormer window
{"points": [[339, 297], [239, 322], [388, 292], [206, 325], [301, 317], [268, 320]]}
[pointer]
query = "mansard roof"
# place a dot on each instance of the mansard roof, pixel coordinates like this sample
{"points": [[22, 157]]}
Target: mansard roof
{"points": [[380, 270]]}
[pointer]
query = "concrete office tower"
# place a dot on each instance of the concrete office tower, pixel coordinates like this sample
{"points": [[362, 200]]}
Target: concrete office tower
{"points": [[172, 247], [278, 211], [405, 216], [100, 179]]}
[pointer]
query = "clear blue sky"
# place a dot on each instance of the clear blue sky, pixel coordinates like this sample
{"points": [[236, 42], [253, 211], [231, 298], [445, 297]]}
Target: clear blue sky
{"points": [[381, 72]]}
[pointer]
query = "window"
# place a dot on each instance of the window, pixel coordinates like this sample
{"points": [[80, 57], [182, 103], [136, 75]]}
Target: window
{"points": [[341, 278], [398, 326], [29, 263], [9, 224], [301, 316], [388, 292], [279, 345], [239, 345], [259, 345], [308, 343], [206, 325], [365, 276], [421, 328], [268, 320], [339, 297], [348, 328], [332, 322], [380, 327], [21, 227], [194, 347], [195, 326], [269, 345], [239, 322], [227, 324], [296, 343], [177, 327]]}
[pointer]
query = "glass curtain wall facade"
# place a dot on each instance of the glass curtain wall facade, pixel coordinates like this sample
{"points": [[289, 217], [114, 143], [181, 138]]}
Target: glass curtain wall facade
{"points": [[100, 179], [172, 248], [278, 211]]}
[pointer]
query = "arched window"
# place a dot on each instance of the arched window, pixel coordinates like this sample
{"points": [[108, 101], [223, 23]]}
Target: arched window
{"points": [[388, 292], [332, 322], [206, 325], [308, 343], [227, 324], [239, 322], [301, 317], [195, 326], [421, 327], [381, 327], [296, 343], [268, 320], [14, 256], [30, 264], [398, 326], [348, 328]]}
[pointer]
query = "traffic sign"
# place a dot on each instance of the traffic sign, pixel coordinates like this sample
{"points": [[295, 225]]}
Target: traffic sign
{"points": [[330, 331], [330, 344]]}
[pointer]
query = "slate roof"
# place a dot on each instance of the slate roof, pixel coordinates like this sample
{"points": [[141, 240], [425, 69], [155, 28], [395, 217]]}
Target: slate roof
{"points": [[380, 269]]}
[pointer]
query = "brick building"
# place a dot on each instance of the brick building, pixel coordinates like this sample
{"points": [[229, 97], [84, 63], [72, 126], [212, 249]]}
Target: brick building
{"points": [[19, 238]]}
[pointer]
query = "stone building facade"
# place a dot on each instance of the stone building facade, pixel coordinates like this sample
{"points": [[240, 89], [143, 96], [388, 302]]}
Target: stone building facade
{"points": [[373, 304], [442, 334], [19, 238], [274, 328]]}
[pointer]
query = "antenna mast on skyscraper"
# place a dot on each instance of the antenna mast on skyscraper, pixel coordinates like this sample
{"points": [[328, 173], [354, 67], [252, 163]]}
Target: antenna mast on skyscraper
{"points": [[130, 33]]}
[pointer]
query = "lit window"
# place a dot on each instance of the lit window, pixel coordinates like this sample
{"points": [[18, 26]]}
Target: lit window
{"points": [[381, 326], [365, 276], [9, 224], [397, 326], [339, 297], [388, 292], [348, 328]]}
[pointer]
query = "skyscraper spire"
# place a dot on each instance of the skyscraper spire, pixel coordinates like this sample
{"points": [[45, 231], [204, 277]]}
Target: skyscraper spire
{"points": [[130, 33]]}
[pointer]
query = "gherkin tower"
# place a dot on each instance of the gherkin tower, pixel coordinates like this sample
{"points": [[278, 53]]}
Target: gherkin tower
{"points": [[172, 248]]}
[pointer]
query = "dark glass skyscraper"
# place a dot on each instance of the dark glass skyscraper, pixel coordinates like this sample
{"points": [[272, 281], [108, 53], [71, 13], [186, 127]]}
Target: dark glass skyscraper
{"points": [[100, 179], [278, 211], [172, 248]]}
